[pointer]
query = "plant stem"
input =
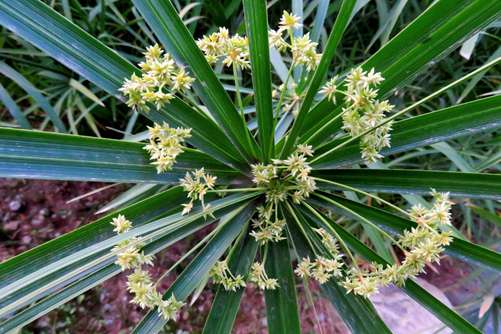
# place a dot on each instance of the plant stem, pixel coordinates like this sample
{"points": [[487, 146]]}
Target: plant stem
{"points": [[377, 198], [282, 93], [237, 89], [341, 241]]}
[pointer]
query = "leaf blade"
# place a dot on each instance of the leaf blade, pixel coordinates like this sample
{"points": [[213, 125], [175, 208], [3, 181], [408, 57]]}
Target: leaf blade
{"points": [[401, 181], [281, 303], [256, 22]]}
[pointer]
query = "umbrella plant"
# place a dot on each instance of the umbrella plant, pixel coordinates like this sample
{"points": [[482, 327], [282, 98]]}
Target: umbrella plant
{"points": [[267, 164]]}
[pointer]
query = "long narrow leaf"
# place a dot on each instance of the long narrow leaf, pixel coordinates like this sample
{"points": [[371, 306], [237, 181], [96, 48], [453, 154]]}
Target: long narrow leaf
{"points": [[34, 93], [42, 155], [14, 110], [256, 20], [281, 303], [402, 181]]}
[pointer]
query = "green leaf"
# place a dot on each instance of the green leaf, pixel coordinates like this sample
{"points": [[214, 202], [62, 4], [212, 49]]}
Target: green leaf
{"points": [[357, 312], [97, 275], [189, 279], [432, 304], [281, 303], [462, 120], [171, 31], [461, 249], [226, 303], [443, 25], [42, 155], [18, 267], [98, 246], [400, 181], [337, 32], [256, 22], [34, 93], [72, 46], [13, 109]]}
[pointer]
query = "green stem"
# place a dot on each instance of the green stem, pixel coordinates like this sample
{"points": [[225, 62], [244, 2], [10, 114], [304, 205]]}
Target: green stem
{"points": [[377, 198], [325, 125], [235, 190], [237, 89], [282, 93], [365, 220], [341, 241]]}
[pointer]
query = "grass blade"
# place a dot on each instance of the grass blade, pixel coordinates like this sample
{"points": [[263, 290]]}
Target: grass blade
{"points": [[400, 181], [281, 303], [14, 110], [34, 93], [42, 155], [256, 21]]}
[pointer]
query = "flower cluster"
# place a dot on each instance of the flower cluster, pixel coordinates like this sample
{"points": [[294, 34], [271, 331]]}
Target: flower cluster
{"points": [[139, 282], [165, 145], [303, 49], [363, 111], [221, 274], [259, 277], [282, 179], [290, 99], [422, 244], [232, 50], [323, 268], [267, 227], [159, 81], [197, 184]]}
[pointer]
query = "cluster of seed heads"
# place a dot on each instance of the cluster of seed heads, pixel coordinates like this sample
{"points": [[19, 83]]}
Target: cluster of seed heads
{"points": [[362, 110], [282, 179], [221, 274], [422, 245], [302, 49], [197, 184], [139, 283], [165, 144], [161, 78]]}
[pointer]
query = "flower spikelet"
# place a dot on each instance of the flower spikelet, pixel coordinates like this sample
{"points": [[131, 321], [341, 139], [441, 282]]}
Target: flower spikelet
{"points": [[197, 184], [165, 145], [161, 78], [258, 276]]}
